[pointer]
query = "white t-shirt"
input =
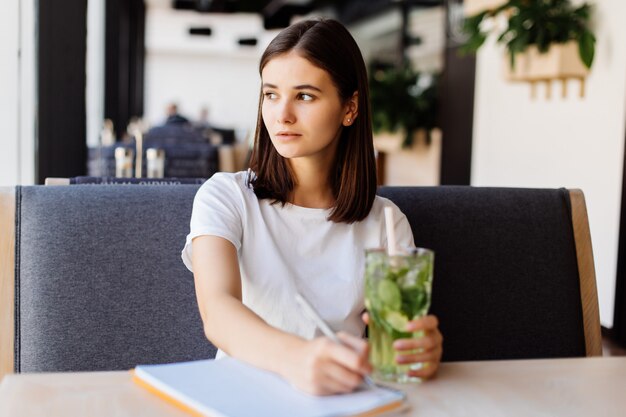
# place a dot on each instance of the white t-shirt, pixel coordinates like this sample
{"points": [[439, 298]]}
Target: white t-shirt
{"points": [[282, 250]]}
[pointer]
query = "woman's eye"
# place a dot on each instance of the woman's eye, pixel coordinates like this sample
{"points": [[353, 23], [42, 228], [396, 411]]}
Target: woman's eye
{"points": [[269, 95], [306, 97]]}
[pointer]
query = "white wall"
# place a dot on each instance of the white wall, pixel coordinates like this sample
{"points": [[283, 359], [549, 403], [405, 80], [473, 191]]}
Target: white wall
{"points": [[197, 71], [9, 47], [571, 142], [17, 93], [94, 96], [27, 92]]}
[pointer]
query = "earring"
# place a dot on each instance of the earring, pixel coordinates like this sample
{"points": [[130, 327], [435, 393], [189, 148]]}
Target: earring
{"points": [[349, 120]]}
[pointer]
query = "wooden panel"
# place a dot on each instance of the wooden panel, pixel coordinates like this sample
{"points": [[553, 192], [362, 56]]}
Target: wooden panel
{"points": [[543, 387], [7, 278], [74, 394], [587, 273], [57, 181], [473, 7]]}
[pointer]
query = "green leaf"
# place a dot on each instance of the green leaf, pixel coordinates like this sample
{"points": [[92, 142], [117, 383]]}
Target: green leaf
{"points": [[399, 101], [473, 43], [583, 11], [471, 27], [587, 48]]}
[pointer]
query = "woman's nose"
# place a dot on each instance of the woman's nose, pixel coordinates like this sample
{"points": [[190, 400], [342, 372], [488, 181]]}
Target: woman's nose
{"points": [[286, 114]]}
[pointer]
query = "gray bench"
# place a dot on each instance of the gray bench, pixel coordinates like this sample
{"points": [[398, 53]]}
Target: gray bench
{"points": [[91, 276]]}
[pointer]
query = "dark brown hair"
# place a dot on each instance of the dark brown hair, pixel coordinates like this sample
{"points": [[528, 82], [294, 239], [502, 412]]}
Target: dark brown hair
{"points": [[328, 45]]}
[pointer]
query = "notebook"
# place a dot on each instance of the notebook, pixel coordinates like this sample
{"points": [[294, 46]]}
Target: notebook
{"points": [[230, 388]]}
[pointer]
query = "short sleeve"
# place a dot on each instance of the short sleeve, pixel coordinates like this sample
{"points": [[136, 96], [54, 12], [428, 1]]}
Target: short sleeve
{"points": [[217, 211]]}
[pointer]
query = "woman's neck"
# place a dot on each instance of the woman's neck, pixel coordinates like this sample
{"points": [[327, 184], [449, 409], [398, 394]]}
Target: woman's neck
{"points": [[312, 185]]}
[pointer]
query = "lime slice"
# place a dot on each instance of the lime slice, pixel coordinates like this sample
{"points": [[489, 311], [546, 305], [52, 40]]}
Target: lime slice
{"points": [[397, 320], [389, 294]]}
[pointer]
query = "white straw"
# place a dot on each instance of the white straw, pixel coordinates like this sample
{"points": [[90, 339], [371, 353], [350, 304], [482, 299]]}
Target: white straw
{"points": [[391, 233]]}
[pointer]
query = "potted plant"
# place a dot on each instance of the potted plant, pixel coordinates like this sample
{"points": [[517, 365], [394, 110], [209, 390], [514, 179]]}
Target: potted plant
{"points": [[403, 100], [545, 39]]}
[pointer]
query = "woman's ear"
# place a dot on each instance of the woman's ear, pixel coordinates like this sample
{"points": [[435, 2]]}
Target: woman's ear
{"points": [[352, 109]]}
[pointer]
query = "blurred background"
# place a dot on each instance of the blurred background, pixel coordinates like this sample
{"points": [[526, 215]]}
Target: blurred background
{"points": [[87, 83]]}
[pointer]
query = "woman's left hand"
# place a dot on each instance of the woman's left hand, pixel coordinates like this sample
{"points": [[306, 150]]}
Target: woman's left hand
{"points": [[426, 349]]}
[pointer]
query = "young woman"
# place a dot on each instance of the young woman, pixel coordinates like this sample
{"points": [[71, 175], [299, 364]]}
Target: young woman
{"points": [[299, 221]]}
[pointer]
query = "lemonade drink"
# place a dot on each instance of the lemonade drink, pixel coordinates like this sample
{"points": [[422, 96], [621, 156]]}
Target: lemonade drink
{"points": [[397, 290]]}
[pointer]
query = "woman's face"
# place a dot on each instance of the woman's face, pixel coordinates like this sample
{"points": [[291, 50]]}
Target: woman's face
{"points": [[301, 108]]}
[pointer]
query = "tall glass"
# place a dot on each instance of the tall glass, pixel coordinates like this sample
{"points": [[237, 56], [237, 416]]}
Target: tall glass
{"points": [[397, 290]]}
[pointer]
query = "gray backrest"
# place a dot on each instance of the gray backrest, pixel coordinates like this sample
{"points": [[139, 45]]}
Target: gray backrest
{"points": [[506, 282], [100, 284]]}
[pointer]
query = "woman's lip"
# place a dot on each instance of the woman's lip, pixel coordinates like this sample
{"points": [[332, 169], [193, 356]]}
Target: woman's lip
{"points": [[285, 136]]}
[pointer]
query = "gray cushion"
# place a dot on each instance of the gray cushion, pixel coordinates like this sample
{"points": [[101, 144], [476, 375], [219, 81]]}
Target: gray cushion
{"points": [[506, 278], [100, 284]]}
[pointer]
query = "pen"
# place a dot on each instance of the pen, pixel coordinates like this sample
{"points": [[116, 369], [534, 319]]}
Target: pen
{"points": [[321, 324]]}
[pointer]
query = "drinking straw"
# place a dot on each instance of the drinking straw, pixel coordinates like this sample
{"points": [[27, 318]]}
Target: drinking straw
{"points": [[391, 233]]}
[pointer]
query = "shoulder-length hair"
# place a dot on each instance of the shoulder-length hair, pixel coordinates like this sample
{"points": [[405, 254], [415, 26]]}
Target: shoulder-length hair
{"points": [[328, 45]]}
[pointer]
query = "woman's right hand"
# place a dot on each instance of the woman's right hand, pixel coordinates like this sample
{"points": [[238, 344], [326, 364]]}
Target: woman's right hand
{"points": [[323, 367]]}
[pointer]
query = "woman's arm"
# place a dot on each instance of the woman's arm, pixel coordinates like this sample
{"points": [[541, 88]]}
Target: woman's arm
{"points": [[318, 366]]}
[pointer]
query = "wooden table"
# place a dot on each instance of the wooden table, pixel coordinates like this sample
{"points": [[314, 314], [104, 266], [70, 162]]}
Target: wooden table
{"points": [[548, 387]]}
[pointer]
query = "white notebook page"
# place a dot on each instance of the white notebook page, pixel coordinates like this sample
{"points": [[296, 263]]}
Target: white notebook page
{"points": [[230, 388]]}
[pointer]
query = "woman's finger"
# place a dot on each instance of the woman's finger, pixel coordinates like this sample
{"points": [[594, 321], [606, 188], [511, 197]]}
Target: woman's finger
{"points": [[415, 357], [356, 343], [429, 322], [428, 370], [352, 358], [427, 342], [339, 379], [366, 318]]}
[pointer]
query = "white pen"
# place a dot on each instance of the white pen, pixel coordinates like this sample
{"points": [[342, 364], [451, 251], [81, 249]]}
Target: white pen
{"points": [[328, 332]]}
